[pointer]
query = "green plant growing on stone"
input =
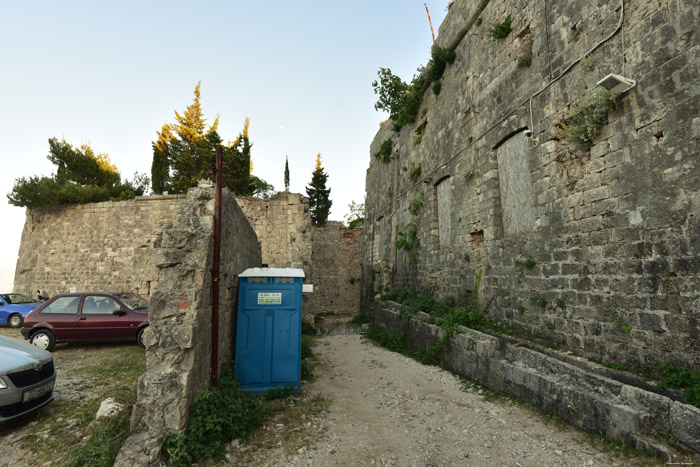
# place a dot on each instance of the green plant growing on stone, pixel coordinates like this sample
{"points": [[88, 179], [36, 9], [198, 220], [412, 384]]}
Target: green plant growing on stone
{"points": [[589, 62], [384, 153], [416, 205], [402, 100], [415, 173], [500, 30], [538, 299], [218, 415], [623, 326], [561, 303], [584, 122], [437, 87], [549, 325], [524, 62], [441, 57], [680, 378], [521, 310], [525, 260], [409, 242]]}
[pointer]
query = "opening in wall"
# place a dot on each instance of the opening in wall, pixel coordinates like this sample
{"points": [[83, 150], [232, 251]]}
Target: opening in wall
{"points": [[441, 229], [515, 185], [377, 253]]}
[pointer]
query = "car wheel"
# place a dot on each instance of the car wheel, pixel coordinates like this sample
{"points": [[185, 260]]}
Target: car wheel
{"points": [[139, 337], [15, 321], [44, 339]]}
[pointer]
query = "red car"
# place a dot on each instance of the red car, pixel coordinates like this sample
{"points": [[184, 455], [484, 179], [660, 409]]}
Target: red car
{"points": [[87, 317]]}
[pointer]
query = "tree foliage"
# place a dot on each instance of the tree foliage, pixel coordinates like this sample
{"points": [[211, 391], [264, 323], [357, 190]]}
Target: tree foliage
{"points": [[185, 152], [400, 99], [82, 176], [319, 196], [286, 173], [356, 216]]}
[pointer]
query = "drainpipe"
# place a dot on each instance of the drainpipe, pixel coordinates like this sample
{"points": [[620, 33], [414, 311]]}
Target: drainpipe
{"points": [[215, 273]]}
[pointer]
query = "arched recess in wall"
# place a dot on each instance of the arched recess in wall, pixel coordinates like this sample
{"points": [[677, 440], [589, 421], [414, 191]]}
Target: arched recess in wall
{"points": [[442, 209], [515, 184]]}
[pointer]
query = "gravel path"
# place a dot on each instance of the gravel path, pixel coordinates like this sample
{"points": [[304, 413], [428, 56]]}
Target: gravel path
{"points": [[391, 410]]}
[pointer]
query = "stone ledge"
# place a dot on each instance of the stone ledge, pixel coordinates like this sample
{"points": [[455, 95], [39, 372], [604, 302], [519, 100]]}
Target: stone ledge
{"points": [[580, 395]]}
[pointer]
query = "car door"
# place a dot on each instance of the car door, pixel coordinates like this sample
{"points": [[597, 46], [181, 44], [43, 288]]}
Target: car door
{"points": [[61, 314], [97, 320]]}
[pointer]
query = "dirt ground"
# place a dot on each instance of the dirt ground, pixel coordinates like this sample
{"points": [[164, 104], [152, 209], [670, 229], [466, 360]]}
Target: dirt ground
{"points": [[371, 407], [389, 410], [79, 389]]}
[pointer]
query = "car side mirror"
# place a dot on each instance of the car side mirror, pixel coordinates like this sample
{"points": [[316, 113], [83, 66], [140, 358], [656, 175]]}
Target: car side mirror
{"points": [[119, 312]]}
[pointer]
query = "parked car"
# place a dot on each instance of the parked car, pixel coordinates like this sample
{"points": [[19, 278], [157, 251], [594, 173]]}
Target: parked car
{"points": [[87, 317], [27, 378], [14, 307]]}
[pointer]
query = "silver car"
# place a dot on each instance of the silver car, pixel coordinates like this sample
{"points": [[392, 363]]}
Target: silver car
{"points": [[27, 378]]}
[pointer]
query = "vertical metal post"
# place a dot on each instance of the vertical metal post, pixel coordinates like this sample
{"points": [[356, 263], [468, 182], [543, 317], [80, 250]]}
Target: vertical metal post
{"points": [[215, 272], [430, 21]]}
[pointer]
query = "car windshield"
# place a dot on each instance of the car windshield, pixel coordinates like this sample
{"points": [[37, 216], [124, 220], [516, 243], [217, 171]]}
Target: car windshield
{"points": [[133, 300], [16, 298]]}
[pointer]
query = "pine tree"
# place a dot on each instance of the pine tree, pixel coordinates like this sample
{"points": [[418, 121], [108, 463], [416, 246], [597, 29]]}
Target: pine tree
{"points": [[319, 196], [185, 152], [82, 176], [160, 168], [286, 173]]}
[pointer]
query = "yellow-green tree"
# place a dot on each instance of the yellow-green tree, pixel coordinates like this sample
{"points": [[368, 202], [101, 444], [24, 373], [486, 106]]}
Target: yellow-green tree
{"points": [[185, 152]]}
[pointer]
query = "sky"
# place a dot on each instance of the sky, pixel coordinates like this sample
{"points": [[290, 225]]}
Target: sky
{"points": [[111, 73]]}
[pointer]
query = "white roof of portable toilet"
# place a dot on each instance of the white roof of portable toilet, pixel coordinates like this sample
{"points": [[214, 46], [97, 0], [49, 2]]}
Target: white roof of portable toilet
{"points": [[273, 272]]}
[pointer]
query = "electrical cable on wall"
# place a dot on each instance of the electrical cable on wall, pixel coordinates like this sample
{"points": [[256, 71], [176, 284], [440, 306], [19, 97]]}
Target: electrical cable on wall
{"points": [[544, 88]]}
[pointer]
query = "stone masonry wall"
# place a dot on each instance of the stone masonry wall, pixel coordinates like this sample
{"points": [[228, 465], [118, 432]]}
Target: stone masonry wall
{"points": [[178, 340], [93, 247], [337, 270], [330, 255], [283, 226], [598, 251]]}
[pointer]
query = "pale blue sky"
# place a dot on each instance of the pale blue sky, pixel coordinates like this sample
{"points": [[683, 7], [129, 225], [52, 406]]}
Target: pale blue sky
{"points": [[111, 73]]}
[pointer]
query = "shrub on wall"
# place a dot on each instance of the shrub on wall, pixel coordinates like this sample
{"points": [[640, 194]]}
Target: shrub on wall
{"points": [[499, 30], [584, 122]]}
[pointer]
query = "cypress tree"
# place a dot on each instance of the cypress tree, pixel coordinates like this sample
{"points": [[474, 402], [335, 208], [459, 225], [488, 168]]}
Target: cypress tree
{"points": [[319, 196], [286, 173]]}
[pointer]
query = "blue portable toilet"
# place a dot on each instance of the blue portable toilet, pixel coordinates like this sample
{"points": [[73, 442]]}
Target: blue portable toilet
{"points": [[268, 330]]}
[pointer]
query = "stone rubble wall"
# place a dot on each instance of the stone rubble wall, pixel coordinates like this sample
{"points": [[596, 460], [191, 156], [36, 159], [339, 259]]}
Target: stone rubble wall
{"points": [[613, 234], [284, 228], [337, 270], [329, 255], [178, 339], [93, 247], [591, 397]]}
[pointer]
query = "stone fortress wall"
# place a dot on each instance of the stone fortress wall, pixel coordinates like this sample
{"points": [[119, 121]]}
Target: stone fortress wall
{"points": [[94, 247], [597, 251], [111, 246]]}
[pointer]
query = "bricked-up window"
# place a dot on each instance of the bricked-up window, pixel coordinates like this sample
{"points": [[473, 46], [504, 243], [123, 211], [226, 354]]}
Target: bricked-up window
{"points": [[442, 207], [378, 239], [515, 184]]}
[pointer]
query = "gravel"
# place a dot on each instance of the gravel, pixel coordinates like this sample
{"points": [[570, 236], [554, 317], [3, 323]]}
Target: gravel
{"points": [[389, 410]]}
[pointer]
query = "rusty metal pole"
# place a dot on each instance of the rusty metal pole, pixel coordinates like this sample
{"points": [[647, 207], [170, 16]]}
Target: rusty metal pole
{"points": [[430, 21], [215, 272]]}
